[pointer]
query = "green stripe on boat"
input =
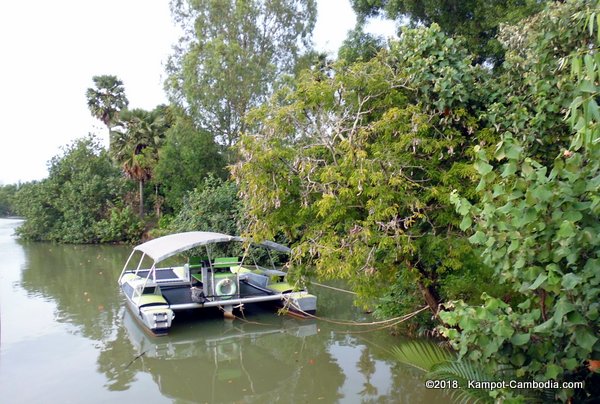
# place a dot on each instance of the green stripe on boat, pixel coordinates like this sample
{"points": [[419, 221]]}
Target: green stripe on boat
{"points": [[150, 299], [280, 287]]}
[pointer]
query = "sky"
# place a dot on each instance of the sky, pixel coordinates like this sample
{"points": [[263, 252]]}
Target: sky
{"points": [[52, 49]]}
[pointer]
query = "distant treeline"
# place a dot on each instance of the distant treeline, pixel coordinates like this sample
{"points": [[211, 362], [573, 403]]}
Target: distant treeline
{"points": [[7, 203]]}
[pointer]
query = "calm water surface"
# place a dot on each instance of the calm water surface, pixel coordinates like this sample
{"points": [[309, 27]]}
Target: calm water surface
{"points": [[66, 337]]}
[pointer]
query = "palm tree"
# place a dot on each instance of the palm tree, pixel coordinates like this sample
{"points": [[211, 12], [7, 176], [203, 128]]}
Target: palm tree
{"points": [[107, 99], [134, 145]]}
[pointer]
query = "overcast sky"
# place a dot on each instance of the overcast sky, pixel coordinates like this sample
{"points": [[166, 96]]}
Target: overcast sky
{"points": [[51, 49]]}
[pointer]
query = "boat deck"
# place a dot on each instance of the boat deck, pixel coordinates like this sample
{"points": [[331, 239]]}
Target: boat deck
{"points": [[181, 294], [177, 294]]}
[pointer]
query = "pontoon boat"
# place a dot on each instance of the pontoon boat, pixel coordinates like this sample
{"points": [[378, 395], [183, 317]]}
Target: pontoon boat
{"points": [[154, 294]]}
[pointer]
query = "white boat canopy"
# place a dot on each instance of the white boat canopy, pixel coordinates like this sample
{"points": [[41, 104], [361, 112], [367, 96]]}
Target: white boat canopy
{"points": [[164, 247]]}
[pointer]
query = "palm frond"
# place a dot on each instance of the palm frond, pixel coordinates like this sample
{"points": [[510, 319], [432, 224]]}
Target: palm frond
{"points": [[442, 364], [463, 372], [422, 355]]}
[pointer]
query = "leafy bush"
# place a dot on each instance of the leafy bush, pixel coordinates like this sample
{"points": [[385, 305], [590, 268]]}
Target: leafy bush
{"points": [[538, 223], [213, 207], [121, 225], [81, 187], [187, 157], [7, 203]]}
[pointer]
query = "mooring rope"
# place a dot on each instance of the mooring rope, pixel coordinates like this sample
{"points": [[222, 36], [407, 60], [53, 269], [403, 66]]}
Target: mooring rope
{"points": [[243, 318], [134, 359], [331, 287], [391, 322], [405, 318], [387, 323]]}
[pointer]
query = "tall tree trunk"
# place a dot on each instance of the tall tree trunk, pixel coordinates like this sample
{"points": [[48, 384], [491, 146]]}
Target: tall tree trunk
{"points": [[430, 296], [157, 201], [141, 198]]}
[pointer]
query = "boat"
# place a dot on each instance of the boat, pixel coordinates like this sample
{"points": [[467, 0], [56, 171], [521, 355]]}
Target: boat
{"points": [[156, 291]]}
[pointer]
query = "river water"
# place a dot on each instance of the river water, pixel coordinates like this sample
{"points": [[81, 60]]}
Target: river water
{"points": [[66, 337]]}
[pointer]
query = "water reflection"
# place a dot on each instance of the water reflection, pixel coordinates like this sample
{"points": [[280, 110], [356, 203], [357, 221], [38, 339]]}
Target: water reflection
{"points": [[80, 280], [220, 361], [72, 291]]}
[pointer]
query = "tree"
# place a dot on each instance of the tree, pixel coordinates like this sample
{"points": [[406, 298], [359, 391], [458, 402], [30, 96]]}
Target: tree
{"points": [[7, 196], [360, 46], [476, 20], [135, 145], [81, 190], [355, 168], [231, 56], [213, 206], [536, 222], [186, 158], [107, 99]]}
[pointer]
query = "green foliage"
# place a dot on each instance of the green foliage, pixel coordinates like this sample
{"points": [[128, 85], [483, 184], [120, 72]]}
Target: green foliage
{"points": [[7, 196], [356, 168], [478, 21], [535, 88], [538, 224], [121, 225], [469, 282], [441, 364], [107, 99], [360, 46], [399, 298], [66, 207], [135, 144], [186, 158], [231, 56], [212, 207], [422, 354]]}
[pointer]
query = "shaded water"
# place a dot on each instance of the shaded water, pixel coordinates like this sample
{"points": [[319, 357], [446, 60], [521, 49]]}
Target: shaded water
{"points": [[67, 337]]}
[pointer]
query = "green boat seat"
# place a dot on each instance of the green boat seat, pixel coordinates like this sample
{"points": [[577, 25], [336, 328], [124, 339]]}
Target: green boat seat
{"points": [[281, 287], [238, 269], [151, 300], [225, 262], [196, 262]]}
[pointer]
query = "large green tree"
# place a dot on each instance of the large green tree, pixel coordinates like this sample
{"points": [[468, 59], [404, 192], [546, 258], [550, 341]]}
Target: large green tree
{"points": [[187, 156], [476, 20], [359, 46], [355, 166], [135, 144], [82, 190], [106, 99], [231, 56]]}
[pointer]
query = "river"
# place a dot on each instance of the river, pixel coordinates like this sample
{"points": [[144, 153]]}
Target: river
{"points": [[66, 337]]}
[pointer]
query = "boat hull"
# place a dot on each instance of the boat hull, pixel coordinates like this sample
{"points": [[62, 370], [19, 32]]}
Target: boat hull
{"points": [[156, 319]]}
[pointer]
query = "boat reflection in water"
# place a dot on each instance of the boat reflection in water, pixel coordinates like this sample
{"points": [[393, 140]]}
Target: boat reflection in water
{"points": [[225, 361]]}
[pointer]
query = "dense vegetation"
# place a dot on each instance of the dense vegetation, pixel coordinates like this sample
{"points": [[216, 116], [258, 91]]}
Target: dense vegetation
{"points": [[437, 169], [7, 196], [343, 166], [80, 201], [536, 221], [477, 21]]}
